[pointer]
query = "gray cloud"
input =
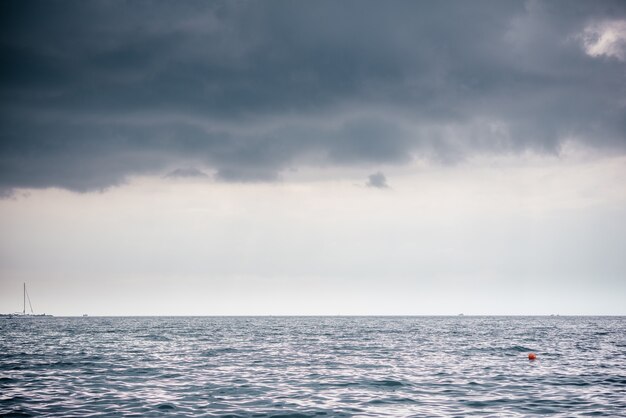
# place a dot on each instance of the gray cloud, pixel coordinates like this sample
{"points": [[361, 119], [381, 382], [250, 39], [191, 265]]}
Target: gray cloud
{"points": [[92, 92], [377, 180], [186, 173]]}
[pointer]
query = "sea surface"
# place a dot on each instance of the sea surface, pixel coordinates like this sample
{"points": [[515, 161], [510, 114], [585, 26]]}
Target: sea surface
{"points": [[312, 366]]}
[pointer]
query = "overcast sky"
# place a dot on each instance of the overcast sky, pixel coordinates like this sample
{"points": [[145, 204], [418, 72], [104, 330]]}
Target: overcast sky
{"points": [[313, 157]]}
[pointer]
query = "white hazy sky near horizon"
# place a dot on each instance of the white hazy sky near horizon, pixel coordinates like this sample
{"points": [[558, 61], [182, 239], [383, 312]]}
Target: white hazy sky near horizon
{"points": [[516, 234]]}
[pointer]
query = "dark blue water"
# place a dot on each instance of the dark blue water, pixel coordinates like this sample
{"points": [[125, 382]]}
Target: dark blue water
{"points": [[313, 366]]}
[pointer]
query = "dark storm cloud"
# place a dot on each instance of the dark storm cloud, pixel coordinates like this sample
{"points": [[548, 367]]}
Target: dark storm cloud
{"points": [[92, 92]]}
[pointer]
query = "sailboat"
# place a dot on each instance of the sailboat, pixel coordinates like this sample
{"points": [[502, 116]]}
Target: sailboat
{"points": [[24, 314]]}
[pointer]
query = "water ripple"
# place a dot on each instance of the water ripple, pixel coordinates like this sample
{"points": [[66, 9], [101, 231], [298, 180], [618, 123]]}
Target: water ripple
{"points": [[311, 367]]}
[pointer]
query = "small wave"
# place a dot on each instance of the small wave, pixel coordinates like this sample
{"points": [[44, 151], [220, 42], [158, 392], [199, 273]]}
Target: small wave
{"points": [[139, 371], [390, 401], [217, 351], [616, 380], [17, 414], [156, 337], [63, 364], [14, 399], [387, 383], [520, 348]]}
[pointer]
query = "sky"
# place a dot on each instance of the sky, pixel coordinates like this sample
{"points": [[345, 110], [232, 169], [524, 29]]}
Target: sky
{"points": [[313, 158]]}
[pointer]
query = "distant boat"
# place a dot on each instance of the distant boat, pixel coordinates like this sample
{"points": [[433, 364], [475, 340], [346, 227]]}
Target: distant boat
{"points": [[23, 314]]}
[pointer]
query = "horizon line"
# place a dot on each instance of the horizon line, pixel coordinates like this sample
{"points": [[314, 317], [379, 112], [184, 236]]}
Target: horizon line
{"points": [[313, 315]]}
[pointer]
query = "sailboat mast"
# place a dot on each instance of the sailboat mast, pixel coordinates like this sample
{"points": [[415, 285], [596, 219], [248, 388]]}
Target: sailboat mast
{"points": [[29, 304], [24, 310]]}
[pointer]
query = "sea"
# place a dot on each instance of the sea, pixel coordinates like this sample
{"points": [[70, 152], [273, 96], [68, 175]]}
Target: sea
{"points": [[452, 366]]}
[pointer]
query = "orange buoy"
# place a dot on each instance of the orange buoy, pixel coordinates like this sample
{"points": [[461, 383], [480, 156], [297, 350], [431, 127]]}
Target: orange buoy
{"points": [[532, 356]]}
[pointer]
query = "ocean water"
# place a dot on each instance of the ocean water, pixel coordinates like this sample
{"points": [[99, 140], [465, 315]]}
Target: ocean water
{"points": [[313, 366]]}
